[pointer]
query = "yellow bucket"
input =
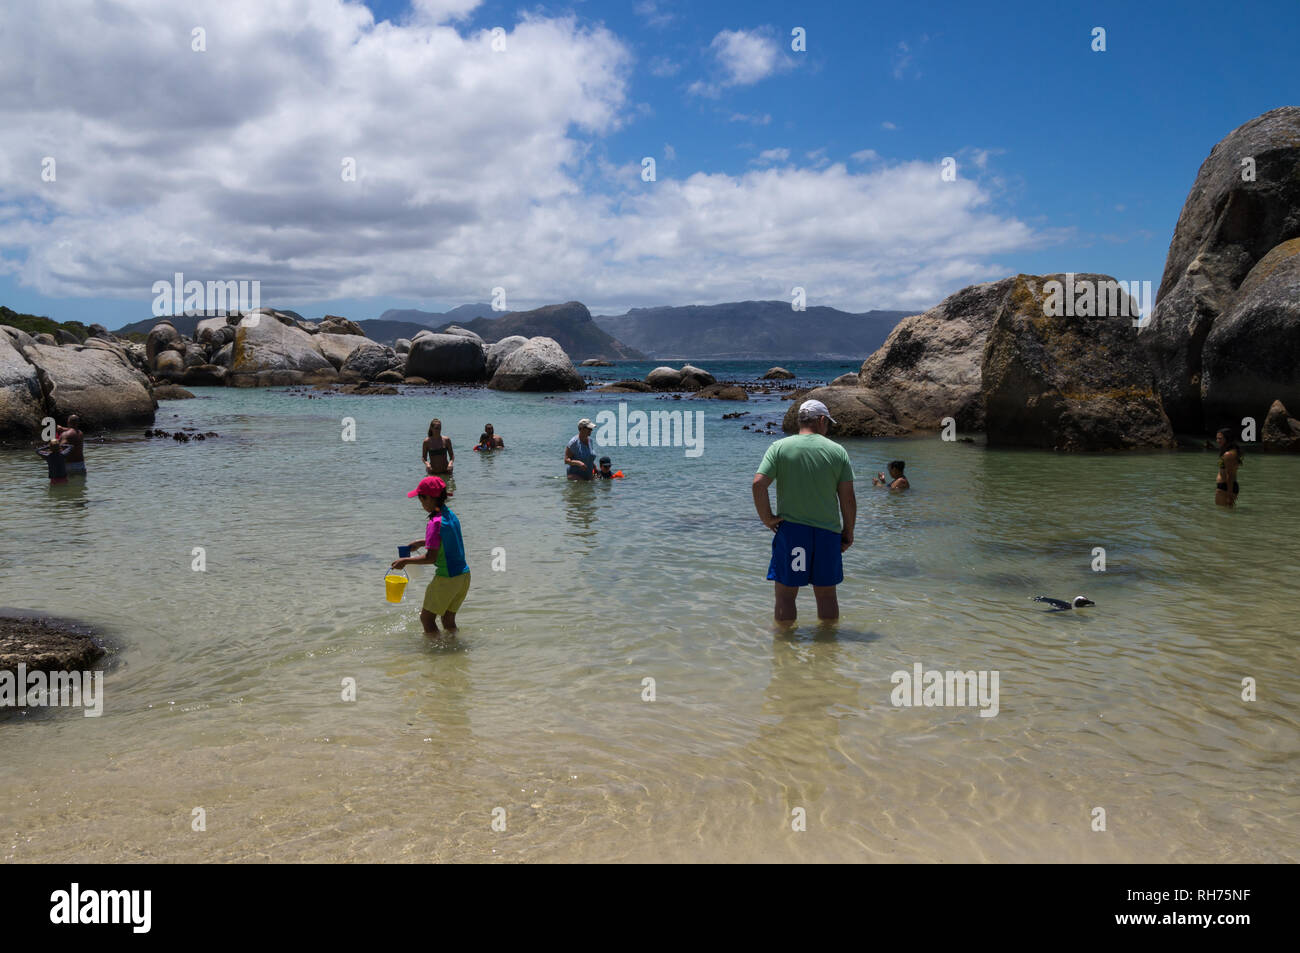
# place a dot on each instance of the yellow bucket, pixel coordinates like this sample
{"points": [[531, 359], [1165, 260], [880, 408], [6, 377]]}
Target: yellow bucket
{"points": [[395, 585]]}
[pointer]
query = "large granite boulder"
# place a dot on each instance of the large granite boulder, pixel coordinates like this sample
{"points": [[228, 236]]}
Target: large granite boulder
{"points": [[1281, 430], [169, 365], [847, 380], [204, 375], [223, 355], [539, 365], [446, 357], [858, 412], [207, 329], [777, 374], [22, 403], [664, 378], [337, 348], [268, 352], [1067, 382], [402, 346], [929, 366], [1230, 221], [163, 337], [694, 378], [65, 336], [1252, 354], [16, 337], [464, 332], [92, 383], [368, 363], [333, 324], [496, 353]]}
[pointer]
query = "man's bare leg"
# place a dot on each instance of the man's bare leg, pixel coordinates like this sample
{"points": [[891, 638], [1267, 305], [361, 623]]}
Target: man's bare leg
{"points": [[828, 604], [785, 610]]}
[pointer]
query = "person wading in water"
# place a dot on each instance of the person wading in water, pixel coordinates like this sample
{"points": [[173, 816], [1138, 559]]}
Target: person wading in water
{"points": [[436, 450]]}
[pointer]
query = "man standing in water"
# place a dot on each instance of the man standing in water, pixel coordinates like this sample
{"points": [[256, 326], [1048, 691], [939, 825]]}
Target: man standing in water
{"points": [[814, 486], [72, 436]]}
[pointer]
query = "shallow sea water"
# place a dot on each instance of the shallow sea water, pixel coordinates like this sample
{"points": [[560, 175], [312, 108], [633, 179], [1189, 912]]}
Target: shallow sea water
{"points": [[223, 690]]}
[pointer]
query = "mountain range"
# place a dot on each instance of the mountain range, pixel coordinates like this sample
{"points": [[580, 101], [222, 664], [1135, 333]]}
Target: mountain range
{"points": [[738, 330], [751, 330]]}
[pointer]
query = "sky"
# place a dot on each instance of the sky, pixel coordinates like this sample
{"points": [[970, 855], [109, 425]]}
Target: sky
{"points": [[352, 157]]}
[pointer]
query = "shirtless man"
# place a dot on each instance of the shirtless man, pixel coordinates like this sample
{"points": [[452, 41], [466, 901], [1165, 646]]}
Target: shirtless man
{"points": [[436, 452], [72, 436]]}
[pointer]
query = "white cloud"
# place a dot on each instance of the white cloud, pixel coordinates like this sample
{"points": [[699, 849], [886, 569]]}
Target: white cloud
{"points": [[758, 119], [669, 152], [744, 57], [663, 66], [650, 11], [474, 169], [769, 156], [887, 125], [865, 155]]}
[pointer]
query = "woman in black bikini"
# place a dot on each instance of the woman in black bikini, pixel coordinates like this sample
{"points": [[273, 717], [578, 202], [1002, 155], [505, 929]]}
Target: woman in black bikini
{"points": [[436, 450], [1229, 461]]}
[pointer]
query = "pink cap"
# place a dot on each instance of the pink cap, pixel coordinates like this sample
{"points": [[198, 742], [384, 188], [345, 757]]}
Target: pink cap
{"points": [[429, 486]]}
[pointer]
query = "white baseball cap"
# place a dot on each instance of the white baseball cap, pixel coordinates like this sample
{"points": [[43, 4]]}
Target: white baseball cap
{"points": [[812, 409]]}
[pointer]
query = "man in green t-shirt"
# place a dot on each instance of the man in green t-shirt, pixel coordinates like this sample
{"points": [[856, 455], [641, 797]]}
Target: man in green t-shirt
{"points": [[814, 486]]}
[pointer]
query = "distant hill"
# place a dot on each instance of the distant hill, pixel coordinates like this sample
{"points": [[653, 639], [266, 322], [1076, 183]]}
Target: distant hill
{"points": [[570, 324], [387, 332], [751, 330], [35, 324], [458, 315]]}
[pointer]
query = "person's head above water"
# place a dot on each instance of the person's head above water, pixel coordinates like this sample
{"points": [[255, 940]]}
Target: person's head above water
{"points": [[585, 424], [435, 426], [487, 428], [896, 467], [605, 463], [1227, 441], [74, 421]]}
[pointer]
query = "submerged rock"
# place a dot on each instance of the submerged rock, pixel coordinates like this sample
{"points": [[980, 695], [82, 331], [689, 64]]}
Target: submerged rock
{"points": [[721, 392], [46, 644]]}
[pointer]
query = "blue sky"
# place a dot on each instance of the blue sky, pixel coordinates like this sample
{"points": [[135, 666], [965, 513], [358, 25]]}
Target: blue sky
{"points": [[774, 167]]}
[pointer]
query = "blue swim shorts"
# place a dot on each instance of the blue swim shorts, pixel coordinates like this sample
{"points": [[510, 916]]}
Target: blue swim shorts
{"points": [[805, 555]]}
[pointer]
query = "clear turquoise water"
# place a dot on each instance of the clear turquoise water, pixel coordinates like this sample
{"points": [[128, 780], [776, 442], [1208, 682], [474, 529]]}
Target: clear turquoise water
{"points": [[225, 688]]}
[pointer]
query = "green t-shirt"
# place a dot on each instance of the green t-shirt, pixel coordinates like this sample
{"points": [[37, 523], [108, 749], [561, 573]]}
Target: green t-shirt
{"points": [[808, 470]]}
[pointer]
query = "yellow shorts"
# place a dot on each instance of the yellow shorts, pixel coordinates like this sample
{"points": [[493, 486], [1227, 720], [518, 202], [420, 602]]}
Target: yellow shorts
{"points": [[446, 593]]}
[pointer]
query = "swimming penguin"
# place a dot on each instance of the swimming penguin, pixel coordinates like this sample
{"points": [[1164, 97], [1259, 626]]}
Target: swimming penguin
{"points": [[1059, 605]]}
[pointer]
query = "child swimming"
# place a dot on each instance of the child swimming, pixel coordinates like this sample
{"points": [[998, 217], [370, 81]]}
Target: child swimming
{"points": [[896, 479]]}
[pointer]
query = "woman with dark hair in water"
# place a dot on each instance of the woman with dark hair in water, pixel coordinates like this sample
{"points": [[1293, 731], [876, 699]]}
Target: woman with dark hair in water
{"points": [[436, 452], [1225, 484]]}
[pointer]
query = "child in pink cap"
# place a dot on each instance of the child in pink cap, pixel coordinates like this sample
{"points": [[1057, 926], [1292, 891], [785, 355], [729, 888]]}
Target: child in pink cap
{"points": [[445, 548]]}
